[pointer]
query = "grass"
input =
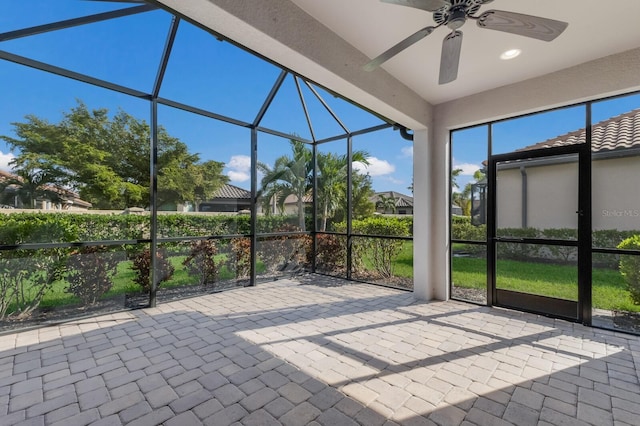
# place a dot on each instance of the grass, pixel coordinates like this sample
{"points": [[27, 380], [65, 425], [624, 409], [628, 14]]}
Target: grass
{"points": [[123, 281], [402, 263], [552, 280], [608, 289]]}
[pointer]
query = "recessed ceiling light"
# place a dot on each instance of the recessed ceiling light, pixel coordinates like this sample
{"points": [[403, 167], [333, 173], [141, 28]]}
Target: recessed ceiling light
{"points": [[510, 54]]}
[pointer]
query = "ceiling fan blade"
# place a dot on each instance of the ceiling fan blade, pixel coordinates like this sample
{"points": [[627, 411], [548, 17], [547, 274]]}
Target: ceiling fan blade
{"points": [[450, 59], [525, 25], [413, 38], [428, 5]]}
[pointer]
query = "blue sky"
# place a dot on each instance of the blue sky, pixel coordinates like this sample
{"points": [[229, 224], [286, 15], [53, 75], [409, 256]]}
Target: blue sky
{"points": [[203, 72], [470, 145], [220, 77]]}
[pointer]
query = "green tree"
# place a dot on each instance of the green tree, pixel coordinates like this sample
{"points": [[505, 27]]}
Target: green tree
{"points": [[454, 175], [361, 193], [29, 186], [106, 159], [386, 204], [288, 176], [332, 182], [463, 199]]}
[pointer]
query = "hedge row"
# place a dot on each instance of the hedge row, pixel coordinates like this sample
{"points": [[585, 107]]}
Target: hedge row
{"points": [[20, 228], [462, 229]]}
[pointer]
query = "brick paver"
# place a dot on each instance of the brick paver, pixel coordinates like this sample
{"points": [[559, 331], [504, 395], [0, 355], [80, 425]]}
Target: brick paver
{"points": [[319, 351]]}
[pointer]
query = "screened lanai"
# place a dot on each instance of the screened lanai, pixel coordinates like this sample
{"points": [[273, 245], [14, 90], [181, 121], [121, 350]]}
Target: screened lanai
{"points": [[190, 234], [121, 121]]}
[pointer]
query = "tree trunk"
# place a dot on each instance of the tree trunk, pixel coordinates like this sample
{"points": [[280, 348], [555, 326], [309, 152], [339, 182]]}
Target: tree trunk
{"points": [[300, 213]]}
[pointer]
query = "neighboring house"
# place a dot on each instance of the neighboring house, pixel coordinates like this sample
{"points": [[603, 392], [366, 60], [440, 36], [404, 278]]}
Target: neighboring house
{"points": [[291, 204], [543, 193], [228, 198], [403, 203], [65, 198]]}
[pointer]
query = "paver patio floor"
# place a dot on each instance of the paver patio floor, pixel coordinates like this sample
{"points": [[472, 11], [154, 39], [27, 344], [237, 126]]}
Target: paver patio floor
{"points": [[316, 350]]}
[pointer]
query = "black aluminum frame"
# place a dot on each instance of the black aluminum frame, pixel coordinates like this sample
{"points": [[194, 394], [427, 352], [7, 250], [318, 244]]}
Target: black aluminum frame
{"points": [[550, 306], [585, 238], [154, 99]]}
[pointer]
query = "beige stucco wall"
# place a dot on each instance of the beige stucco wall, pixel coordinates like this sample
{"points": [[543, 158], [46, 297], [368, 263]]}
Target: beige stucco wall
{"points": [[509, 198], [615, 195], [552, 195]]}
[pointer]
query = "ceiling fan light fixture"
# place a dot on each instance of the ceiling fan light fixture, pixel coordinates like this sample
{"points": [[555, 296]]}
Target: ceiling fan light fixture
{"points": [[510, 54]]}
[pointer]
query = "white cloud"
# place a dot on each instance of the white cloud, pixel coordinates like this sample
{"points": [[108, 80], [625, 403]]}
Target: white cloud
{"points": [[407, 151], [376, 167], [468, 169], [394, 180], [240, 163], [5, 159], [239, 168]]}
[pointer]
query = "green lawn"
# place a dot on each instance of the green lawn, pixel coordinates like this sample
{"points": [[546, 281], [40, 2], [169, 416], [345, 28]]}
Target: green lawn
{"points": [[123, 281], [537, 278], [559, 281], [402, 264]]}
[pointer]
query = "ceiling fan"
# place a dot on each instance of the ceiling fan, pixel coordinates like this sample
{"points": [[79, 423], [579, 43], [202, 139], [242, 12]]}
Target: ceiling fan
{"points": [[453, 14]]}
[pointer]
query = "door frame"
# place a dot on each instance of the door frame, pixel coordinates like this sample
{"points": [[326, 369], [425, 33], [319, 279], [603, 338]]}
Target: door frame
{"points": [[579, 311]]}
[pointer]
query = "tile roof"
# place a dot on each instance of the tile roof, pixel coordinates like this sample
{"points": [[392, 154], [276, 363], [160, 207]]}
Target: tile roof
{"points": [[64, 193], [293, 199], [620, 132], [231, 191], [402, 200]]}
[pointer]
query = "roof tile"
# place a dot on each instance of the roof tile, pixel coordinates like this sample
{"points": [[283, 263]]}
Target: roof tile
{"points": [[620, 132]]}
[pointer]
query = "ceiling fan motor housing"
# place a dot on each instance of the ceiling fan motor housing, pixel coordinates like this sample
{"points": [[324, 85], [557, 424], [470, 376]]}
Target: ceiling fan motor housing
{"points": [[454, 14]]}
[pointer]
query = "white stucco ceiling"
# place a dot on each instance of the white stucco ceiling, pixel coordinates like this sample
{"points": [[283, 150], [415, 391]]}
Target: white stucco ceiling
{"points": [[596, 29], [329, 41]]}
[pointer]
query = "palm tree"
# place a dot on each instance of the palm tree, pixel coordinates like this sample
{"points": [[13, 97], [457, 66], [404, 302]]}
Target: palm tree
{"points": [[386, 203], [289, 176], [28, 186], [463, 199], [332, 182]]}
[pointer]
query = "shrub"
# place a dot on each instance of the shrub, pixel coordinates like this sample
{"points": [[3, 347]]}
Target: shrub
{"points": [[561, 253], [457, 220], [608, 238], [201, 261], [284, 252], [90, 271], [467, 231], [142, 267], [331, 252], [630, 267], [518, 251], [380, 251], [25, 278], [239, 260]]}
